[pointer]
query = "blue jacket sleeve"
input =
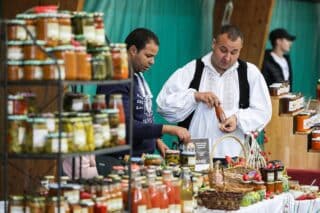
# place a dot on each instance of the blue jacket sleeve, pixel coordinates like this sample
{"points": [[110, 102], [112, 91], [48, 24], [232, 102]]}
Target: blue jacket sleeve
{"points": [[141, 130]]}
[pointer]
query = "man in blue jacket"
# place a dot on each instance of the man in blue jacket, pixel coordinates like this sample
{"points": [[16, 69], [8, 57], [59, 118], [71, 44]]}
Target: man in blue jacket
{"points": [[142, 47]]}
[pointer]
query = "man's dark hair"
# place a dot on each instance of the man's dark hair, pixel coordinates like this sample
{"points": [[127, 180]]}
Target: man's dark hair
{"points": [[232, 31], [140, 37]]}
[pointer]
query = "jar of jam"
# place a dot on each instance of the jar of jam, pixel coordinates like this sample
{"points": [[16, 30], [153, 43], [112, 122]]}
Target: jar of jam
{"points": [[67, 54], [36, 135], [315, 133], [32, 51], [16, 204], [48, 28], [83, 64], [16, 133], [32, 70], [278, 187], [270, 187], [99, 28], [17, 105], [51, 70], [268, 175], [15, 72], [99, 102], [52, 143], [15, 30], [65, 29], [315, 144], [30, 99], [14, 50], [30, 22], [301, 125]]}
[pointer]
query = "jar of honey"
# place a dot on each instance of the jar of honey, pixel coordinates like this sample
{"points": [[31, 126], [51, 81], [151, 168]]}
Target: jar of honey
{"points": [[30, 22], [32, 70], [278, 187], [48, 28], [83, 64], [15, 71], [15, 30], [32, 51], [270, 187]]}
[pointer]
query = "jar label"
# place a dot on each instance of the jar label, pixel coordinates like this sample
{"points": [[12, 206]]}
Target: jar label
{"points": [[279, 175], [55, 145], [172, 208], [270, 176], [89, 33], [80, 138], [106, 132], [20, 73], [72, 196], [21, 135], [37, 73], [65, 34], [191, 160], [98, 139], [77, 105], [16, 209], [142, 209], [53, 31], [100, 36], [21, 33], [14, 53], [56, 209], [51, 125], [10, 107], [187, 206], [121, 131], [39, 137], [177, 208]]}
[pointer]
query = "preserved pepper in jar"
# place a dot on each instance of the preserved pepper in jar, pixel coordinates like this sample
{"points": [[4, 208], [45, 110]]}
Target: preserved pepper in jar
{"points": [[48, 28], [30, 22], [15, 71], [14, 50], [32, 51], [65, 29], [87, 122], [16, 133], [116, 103], [15, 31], [99, 70], [32, 70], [52, 143], [36, 135]]}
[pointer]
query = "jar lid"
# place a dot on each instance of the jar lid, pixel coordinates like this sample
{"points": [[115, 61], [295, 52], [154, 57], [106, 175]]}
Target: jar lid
{"points": [[51, 61], [16, 197], [83, 114], [170, 151], [86, 203], [14, 62], [14, 43], [26, 16], [37, 42], [55, 199], [17, 117], [101, 115], [61, 48], [98, 14], [36, 120], [32, 62], [38, 199], [152, 156], [64, 15], [79, 14], [47, 15], [16, 21], [80, 37], [111, 111], [99, 49]]}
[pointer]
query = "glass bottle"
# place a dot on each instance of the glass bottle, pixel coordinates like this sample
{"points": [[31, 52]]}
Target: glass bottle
{"points": [[186, 191], [139, 201], [167, 180], [154, 193]]}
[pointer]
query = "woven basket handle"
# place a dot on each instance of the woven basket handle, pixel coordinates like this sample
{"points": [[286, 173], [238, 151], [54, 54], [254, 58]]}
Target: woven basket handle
{"points": [[220, 140]]}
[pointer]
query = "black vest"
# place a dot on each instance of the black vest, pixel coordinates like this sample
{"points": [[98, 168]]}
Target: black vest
{"points": [[243, 87]]}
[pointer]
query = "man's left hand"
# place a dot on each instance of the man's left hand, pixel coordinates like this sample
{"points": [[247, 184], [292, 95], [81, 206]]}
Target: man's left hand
{"points": [[162, 147], [229, 125]]}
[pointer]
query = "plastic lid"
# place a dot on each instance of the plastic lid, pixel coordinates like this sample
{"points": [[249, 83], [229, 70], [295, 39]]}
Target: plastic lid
{"points": [[38, 42], [16, 62], [32, 62], [17, 117], [16, 21], [14, 43], [26, 16], [61, 48], [47, 15]]}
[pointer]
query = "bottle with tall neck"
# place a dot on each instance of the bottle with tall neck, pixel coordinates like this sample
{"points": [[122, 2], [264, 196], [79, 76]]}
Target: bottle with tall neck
{"points": [[186, 191]]}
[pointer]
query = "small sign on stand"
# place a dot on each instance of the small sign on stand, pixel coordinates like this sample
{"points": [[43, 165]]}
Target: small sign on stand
{"points": [[202, 153]]}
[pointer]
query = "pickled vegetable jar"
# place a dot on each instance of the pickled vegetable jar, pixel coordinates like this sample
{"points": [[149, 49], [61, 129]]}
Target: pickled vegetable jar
{"points": [[16, 133], [52, 143], [36, 135]]}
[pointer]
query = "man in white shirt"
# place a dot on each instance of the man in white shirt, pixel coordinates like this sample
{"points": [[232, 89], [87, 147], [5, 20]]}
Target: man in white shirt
{"points": [[276, 65], [243, 95]]}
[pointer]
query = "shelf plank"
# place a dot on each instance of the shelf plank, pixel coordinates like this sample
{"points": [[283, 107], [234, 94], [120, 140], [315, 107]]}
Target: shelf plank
{"points": [[303, 133], [66, 82], [62, 155]]}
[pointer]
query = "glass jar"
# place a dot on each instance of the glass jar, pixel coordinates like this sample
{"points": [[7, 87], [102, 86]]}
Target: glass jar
{"points": [[65, 29], [73, 102], [99, 102], [15, 50], [116, 103], [16, 133], [15, 30], [16, 204], [17, 105], [99, 28], [99, 70], [109, 66], [36, 204], [86, 103], [124, 61], [79, 135], [113, 115], [83, 64], [301, 122], [116, 61], [87, 206], [103, 120], [52, 205], [77, 22], [52, 143], [48, 28], [32, 51], [30, 22], [30, 100], [51, 70], [270, 187], [36, 135], [114, 137], [278, 187], [267, 174], [87, 121], [15, 71], [67, 54], [89, 29], [172, 157], [32, 70], [188, 159]]}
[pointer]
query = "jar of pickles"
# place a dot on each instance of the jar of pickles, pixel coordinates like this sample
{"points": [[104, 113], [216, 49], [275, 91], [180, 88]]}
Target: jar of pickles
{"points": [[16, 204], [65, 29], [52, 143], [36, 135], [172, 157], [53, 204], [48, 28], [15, 30], [99, 70], [32, 51], [36, 204], [103, 120], [30, 22], [15, 71], [32, 70], [87, 121], [14, 50], [113, 115], [53, 70], [16, 133], [79, 135]]}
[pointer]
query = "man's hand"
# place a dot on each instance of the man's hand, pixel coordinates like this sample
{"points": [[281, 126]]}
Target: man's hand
{"points": [[229, 125], [162, 147], [207, 98], [182, 133]]}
